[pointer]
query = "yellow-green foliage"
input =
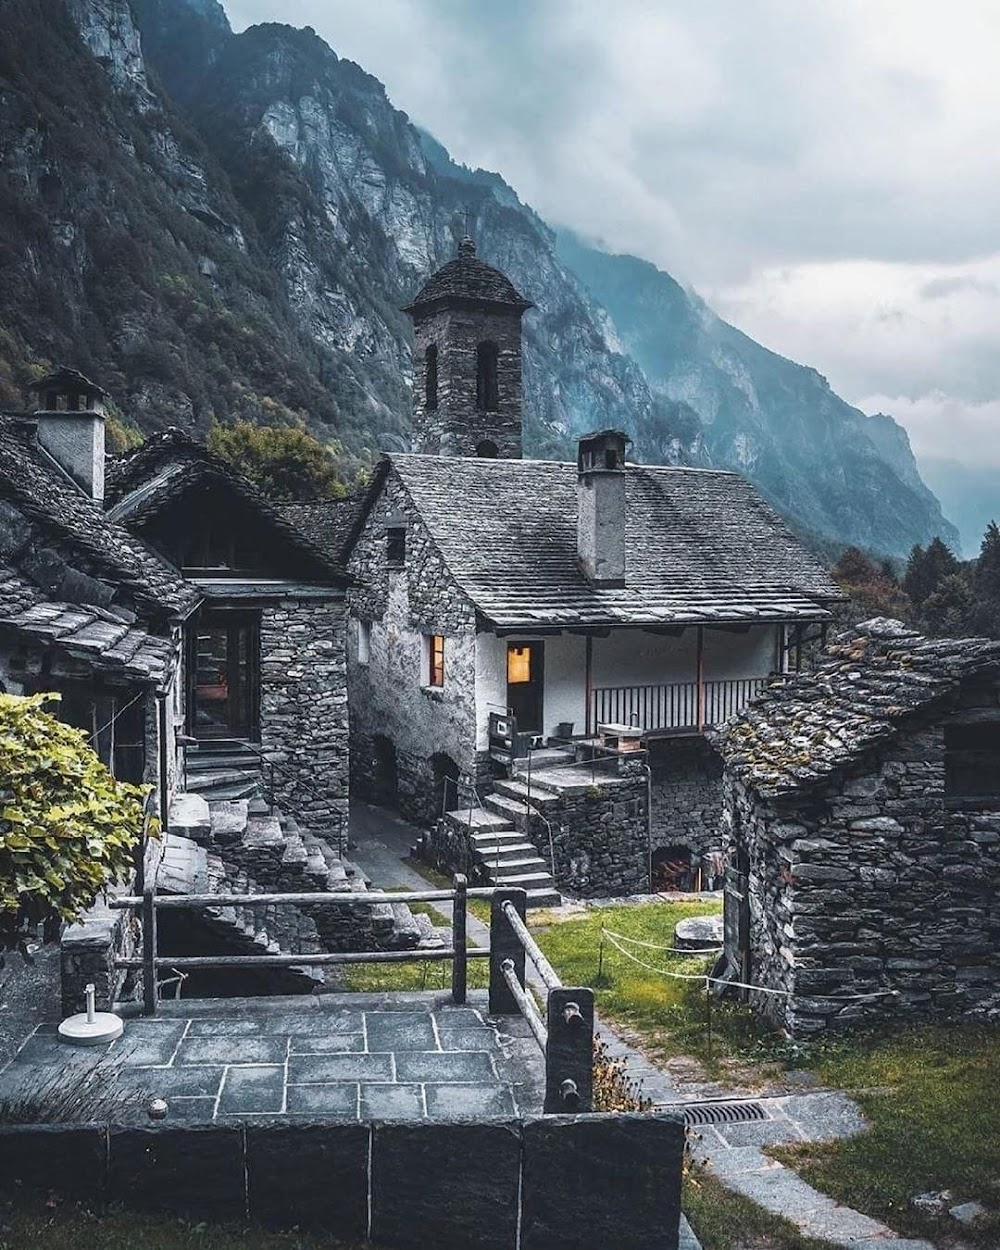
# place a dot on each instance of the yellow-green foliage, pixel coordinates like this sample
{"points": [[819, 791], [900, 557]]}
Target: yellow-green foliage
{"points": [[67, 827], [283, 462]]}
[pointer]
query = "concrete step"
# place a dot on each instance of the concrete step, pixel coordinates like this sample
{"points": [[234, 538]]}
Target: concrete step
{"points": [[544, 898]]}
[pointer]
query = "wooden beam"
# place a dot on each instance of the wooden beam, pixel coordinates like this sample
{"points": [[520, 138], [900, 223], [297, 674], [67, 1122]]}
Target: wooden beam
{"points": [[700, 677], [667, 631], [589, 685]]}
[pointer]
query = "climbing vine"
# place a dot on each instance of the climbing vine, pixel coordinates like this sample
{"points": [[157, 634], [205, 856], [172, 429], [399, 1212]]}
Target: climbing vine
{"points": [[67, 827]]}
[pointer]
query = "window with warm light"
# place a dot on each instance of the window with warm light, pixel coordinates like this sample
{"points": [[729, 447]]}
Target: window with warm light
{"points": [[435, 659], [518, 665]]}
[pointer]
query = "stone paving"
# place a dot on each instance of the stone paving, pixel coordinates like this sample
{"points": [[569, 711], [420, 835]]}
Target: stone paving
{"points": [[347, 1056]]}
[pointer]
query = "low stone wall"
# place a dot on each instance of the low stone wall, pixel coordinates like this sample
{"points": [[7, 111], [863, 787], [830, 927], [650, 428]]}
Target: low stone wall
{"points": [[600, 838], [88, 950], [548, 1183], [874, 884], [686, 794]]}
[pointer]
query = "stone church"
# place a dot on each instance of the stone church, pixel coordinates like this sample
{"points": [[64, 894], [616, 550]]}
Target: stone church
{"points": [[493, 593]]}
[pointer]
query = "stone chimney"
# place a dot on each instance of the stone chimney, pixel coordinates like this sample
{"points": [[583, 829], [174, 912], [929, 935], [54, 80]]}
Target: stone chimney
{"points": [[69, 416], [600, 534]]}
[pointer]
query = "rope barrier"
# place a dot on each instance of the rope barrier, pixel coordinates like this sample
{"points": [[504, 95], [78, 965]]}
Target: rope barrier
{"points": [[740, 985], [673, 950]]}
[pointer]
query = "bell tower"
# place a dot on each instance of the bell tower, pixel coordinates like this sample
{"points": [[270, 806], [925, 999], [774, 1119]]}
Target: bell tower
{"points": [[467, 360]]}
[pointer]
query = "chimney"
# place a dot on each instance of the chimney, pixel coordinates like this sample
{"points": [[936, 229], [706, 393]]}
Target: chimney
{"points": [[69, 415], [600, 533]]}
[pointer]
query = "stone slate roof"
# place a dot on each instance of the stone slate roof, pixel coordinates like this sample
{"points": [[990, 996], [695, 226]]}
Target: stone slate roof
{"points": [[107, 640], [701, 546], [327, 523], [143, 482], [67, 379], [865, 689], [49, 500], [468, 278]]}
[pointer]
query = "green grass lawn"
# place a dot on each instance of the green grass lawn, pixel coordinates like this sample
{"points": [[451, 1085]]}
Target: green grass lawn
{"points": [[69, 1227], [933, 1096]]}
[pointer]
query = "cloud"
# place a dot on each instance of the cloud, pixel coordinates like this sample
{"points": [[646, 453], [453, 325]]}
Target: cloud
{"points": [[823, 173]]}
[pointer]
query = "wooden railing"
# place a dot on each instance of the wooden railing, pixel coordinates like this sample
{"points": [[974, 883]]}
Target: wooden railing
{"points": [[679, 706]]}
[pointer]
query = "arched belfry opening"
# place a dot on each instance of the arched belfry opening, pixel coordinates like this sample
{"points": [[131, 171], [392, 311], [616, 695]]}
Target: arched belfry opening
{"points": [[467, 340], [487, 381]]}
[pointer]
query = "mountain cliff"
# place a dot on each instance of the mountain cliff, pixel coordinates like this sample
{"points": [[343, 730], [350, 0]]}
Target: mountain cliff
{"points": [[222, 225]]}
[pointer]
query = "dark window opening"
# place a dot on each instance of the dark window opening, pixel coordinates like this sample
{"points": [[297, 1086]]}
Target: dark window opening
{"points": [[972, 760], [51, 401], [487, 388], [395, 547], [435, 660], [487, 449], [431, 378], [610, 458]]}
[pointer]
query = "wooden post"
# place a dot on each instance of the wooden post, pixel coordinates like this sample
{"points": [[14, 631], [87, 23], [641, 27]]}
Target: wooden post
{"points": [[505, 944], [149, 991], [460, 962], [700, 678], [569, 1055], [161, 738]]}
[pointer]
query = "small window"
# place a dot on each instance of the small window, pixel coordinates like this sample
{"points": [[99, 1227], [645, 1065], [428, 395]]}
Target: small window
{"points": [[518, 665], [610, 458], [434, 644], [487, 449], [431, 378], [395, 547], [972, 760], [364, 642], [487, 388]]}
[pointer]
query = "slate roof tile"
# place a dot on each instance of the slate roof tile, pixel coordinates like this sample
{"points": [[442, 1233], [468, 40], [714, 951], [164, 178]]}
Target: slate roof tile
{"points": [[869, 684], [701, 545], [466, 277]]}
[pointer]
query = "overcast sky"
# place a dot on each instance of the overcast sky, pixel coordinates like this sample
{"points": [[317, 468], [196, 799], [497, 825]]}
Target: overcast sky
{"points": [[824, 172]]}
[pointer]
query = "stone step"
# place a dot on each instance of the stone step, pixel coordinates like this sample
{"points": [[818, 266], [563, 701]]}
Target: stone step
{"points": [[544, 898], [540, 796], [406, 930], [229, 820], [546, 758], [514, 867], [505, 852], [528, 880], [493, 837], [478, 819]]}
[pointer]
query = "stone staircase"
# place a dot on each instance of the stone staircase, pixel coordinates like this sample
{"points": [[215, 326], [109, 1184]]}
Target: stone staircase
{"points": [[222, 773], [187, 868], [498, 833], [277, 855]]}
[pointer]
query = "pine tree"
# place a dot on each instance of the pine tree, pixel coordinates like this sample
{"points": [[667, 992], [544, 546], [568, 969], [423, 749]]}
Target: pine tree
{"points": [[985, 616], [946, 613], [927, 568]]}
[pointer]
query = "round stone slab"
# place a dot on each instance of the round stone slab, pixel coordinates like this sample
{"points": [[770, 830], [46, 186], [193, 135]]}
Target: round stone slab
{"points": [[79, 1031], [697, 932]]}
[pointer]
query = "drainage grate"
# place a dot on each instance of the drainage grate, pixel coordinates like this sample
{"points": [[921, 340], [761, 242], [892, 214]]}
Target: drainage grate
{"points": [[723, 1112]]}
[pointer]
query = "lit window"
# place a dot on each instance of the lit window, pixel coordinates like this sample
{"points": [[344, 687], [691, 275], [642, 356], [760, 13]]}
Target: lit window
{"points": [[435, 660], [395, 547], [364, 641], [518, 665]]}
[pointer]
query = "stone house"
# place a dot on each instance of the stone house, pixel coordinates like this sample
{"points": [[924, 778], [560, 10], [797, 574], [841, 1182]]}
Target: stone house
{"points": [[862, 815], [263, 680], [86, 609], [561, 597]]}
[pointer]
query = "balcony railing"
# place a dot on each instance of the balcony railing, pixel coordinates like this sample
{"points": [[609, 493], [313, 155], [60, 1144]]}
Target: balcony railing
{"points": [[682, 706]]}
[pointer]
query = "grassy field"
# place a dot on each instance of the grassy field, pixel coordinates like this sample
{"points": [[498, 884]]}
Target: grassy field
{"points": [[933, 1096], [69, 1227]]}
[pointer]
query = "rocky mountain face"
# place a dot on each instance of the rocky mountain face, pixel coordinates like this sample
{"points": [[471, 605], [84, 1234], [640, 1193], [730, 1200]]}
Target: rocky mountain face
{"points": [[221, 225]]}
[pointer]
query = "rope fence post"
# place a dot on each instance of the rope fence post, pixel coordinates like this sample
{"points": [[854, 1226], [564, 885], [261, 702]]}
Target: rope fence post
{"points": [[149, 990], [569, 1055], [505, 944], [460, 962]]}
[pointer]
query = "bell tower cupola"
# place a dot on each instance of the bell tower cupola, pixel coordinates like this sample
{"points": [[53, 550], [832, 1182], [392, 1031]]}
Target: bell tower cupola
{"points": [[467, 360]]}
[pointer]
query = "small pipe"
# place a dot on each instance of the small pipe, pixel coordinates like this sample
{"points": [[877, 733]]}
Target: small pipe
{"points": [[91, 1002]]}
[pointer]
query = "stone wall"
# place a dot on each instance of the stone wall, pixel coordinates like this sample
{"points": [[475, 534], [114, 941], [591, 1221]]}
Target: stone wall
{"points": [[88, 950], [875, 884], [391, 704], [456, 426], [303, 709], [686, 798]]}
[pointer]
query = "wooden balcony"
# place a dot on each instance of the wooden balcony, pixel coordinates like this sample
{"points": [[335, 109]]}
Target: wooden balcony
{"points": [[685, 707]]}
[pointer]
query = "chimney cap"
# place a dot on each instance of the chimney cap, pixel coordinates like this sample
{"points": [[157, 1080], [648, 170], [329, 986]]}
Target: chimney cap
{"points": [[602, 451], [66, 379]]}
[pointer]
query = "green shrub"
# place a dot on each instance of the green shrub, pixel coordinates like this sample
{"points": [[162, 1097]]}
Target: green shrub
{"points": [[67, 827]]}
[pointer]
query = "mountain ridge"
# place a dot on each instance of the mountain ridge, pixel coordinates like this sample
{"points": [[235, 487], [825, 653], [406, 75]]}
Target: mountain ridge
{"points": [[287, 210]]}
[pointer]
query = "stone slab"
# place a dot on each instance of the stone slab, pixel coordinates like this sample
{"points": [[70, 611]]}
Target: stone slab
{"points": [[327, 1044], [759, 1132], [253, 1090], [229, 1050], [72, 1161], [189, 817], [306, 1069], [338, 1101], [824, 1117], [602, 1180], [400, 1030], [447, 1067], [309, 1176], [392, 1102], [438, 1185], [469, 1102], [191, 1171]]}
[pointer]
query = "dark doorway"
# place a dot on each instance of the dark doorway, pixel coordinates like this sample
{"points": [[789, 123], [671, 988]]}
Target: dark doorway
{"points": [[671, 869], [224, 676], [525, 684], [446, 773], [385, 779]]}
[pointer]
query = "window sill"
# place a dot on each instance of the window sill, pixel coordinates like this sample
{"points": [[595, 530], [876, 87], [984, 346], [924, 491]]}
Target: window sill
{"points": [[433, 692]]}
